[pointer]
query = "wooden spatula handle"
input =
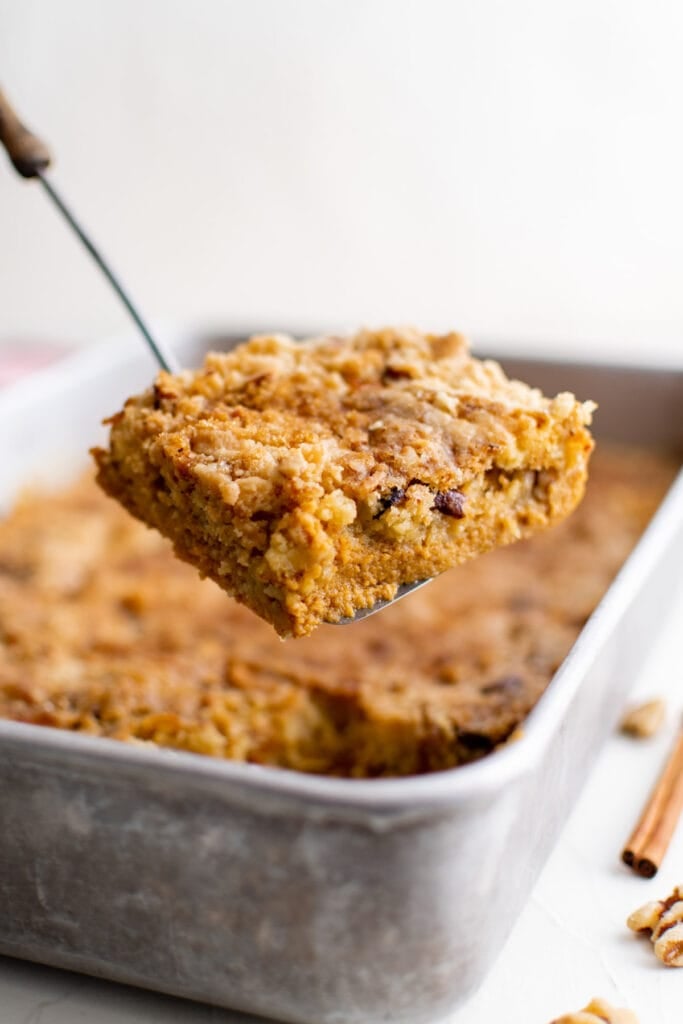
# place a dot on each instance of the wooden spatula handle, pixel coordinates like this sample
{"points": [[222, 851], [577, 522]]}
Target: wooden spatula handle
{"points": [[26, 151]]}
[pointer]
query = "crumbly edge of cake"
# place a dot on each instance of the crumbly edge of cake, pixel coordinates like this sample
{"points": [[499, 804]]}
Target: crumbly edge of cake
{"points": [[306, 524]]}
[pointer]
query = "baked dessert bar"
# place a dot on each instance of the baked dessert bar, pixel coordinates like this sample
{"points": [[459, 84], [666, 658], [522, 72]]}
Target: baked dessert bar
{"points": [[103, 631], [311, 479]]}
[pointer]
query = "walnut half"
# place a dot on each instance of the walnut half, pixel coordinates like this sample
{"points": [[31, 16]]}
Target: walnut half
{"points": [[598, 1012], [663, 919], [644, 720]]}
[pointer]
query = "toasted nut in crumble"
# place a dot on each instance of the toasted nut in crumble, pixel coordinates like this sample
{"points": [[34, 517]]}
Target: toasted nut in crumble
{"points": [[644, 720], [598, 1012], [663, 920], [311, 479]]}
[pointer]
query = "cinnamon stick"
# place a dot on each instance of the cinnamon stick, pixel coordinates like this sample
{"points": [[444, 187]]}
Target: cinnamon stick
{"points": [[650, 839]]}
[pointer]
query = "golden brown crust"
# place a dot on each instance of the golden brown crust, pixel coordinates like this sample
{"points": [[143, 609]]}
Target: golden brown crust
{"points": [[312, 479], [103, 631]]}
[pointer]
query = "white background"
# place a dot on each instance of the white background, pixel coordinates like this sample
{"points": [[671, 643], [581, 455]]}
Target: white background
{"points": [[507, 168]]}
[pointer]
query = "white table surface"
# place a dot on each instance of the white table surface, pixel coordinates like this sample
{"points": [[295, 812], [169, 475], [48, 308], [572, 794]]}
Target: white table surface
{"points": [[570, 944]]}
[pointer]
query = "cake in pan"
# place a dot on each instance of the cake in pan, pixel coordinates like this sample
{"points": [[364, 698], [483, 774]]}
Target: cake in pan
{"points": [[312, 479], [103, 631]]}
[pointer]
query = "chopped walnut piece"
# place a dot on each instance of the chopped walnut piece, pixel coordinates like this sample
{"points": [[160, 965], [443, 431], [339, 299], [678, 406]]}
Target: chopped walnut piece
{"points": [[598, 1012], [663, 919], [644, 720]]}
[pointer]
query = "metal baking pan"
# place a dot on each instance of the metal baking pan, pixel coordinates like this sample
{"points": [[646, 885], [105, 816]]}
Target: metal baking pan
{"points": [[307, 899]]}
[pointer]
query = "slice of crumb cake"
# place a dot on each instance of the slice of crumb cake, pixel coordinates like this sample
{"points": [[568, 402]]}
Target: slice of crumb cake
{"points": [[312, 478]]}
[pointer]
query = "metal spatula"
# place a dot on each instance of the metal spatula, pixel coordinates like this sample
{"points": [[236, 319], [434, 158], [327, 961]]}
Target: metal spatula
{"points": [[31, 158]]}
